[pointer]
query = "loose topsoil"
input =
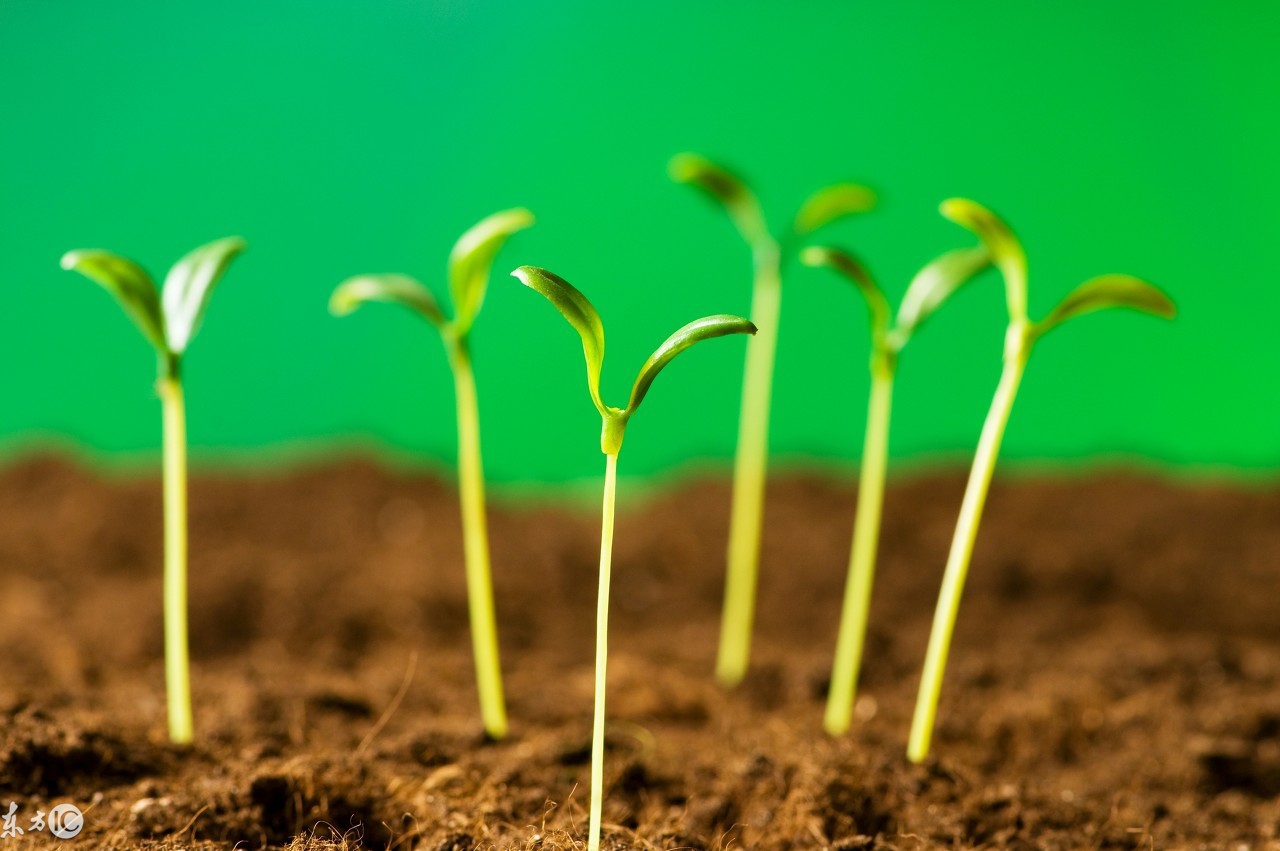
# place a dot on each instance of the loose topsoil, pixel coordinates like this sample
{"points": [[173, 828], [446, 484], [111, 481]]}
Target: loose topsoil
{"points": [[1115, 679]]}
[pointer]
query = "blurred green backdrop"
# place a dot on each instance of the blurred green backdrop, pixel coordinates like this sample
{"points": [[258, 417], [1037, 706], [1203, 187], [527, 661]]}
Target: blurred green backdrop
{"points": [[348, 137]]}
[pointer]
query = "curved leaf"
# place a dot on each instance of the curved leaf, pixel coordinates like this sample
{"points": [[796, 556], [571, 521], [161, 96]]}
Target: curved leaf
{"points": [[129, 283], [695, 332], [471, 259], [1006, 250], [188, 286], [831, 203], [394, 289], [575, 308], [936, 282], [849, 266], [1107, 291], [728, 189]]}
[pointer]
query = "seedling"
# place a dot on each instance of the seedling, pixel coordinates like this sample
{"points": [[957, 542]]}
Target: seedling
{"points": [[770, 256], [930, 288], [575, 308], [168, 318], [1106, 291], [469, 266]]}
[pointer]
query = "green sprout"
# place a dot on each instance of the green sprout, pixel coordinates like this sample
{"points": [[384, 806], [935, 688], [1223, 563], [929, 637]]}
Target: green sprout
{"points": [[1105, 291], [930, 288], [770, 255], [469, 266], [575, 308], [168, 317]]}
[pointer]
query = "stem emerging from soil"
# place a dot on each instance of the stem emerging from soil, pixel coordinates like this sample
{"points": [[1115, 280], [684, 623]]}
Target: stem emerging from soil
{"points": [[602, 649], [1017, 348], [475, 537], [176, 665], [749, 472], [862, 559]]}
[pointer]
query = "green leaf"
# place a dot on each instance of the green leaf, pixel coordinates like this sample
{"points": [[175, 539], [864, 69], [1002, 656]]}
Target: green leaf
{"points": [[394, 289], [188, 286], [129, 283], [847, 265], [831, 203], [575, 308], [722, 185], [936, 283], [1107, 291], [471, 260], [1006, 250], [695, 332]]}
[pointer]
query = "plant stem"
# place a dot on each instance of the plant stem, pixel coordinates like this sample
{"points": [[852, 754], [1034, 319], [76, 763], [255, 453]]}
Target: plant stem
{"points": [[602, 650], [862, 559], [475, 539], [176, 664], [975, 496], [749, 473]]}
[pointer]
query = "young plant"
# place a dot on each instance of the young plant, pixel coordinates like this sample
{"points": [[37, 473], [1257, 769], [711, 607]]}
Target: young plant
{"points": [[575, 308], [930, 288], [1106, 291], [770, 256], [168, 318], [469, 265]]}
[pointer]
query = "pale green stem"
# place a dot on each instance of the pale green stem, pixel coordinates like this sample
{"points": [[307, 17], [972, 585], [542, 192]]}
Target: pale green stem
{"points": [[975, 496], [176, 664], [862, 559], [475, 539], [749, 475], [602, 650]]}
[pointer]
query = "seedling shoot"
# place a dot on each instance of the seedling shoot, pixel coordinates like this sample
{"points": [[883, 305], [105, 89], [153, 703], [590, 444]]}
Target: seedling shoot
{"points": [[1106, 291], [579, 312], [770, 255], [469, 266], [168, 318], [928, 291]]}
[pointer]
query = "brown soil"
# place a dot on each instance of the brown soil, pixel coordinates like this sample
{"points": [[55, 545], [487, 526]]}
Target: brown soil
{"points": [[1115, 681]]}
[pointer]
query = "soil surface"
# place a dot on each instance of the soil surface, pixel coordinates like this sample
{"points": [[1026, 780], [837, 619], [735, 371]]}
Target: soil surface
{"points": [[1115, 680]]}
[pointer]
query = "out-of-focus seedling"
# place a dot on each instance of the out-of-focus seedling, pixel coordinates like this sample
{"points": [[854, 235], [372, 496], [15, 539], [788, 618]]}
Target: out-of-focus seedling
{"points": [[168, 318], [930, 288], [575, 308], [1106, 291], [469, 266], [770, 255]]}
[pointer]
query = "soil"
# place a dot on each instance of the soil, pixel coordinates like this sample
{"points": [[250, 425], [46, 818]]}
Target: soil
{"points": [[1115, 680]]}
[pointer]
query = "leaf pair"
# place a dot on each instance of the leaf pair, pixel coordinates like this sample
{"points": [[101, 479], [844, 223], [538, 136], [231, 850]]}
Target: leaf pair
{"points": [[1102, 292], [579, 313], [168, 317], [823, 207], [927, 292], [469, 265]]}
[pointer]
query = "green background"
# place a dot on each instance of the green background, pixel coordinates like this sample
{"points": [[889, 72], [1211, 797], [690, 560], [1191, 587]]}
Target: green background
{"points": [[348, 137]]}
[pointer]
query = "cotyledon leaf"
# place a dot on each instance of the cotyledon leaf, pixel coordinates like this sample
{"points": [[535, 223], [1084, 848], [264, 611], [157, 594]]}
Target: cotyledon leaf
{"points": [[705, 328], [577, 310], [936, 282], [721, 184], [472, 257], [188, 286], [393, 289], [849, 266], [129, 283], [831, 203], [1006, 250], [1108, 291]]}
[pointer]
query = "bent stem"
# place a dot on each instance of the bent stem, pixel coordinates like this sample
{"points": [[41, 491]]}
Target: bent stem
{"points": [[602, 649], [176, 666], [475, 538], [862, 559], [749, 474], [975, 496]]}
